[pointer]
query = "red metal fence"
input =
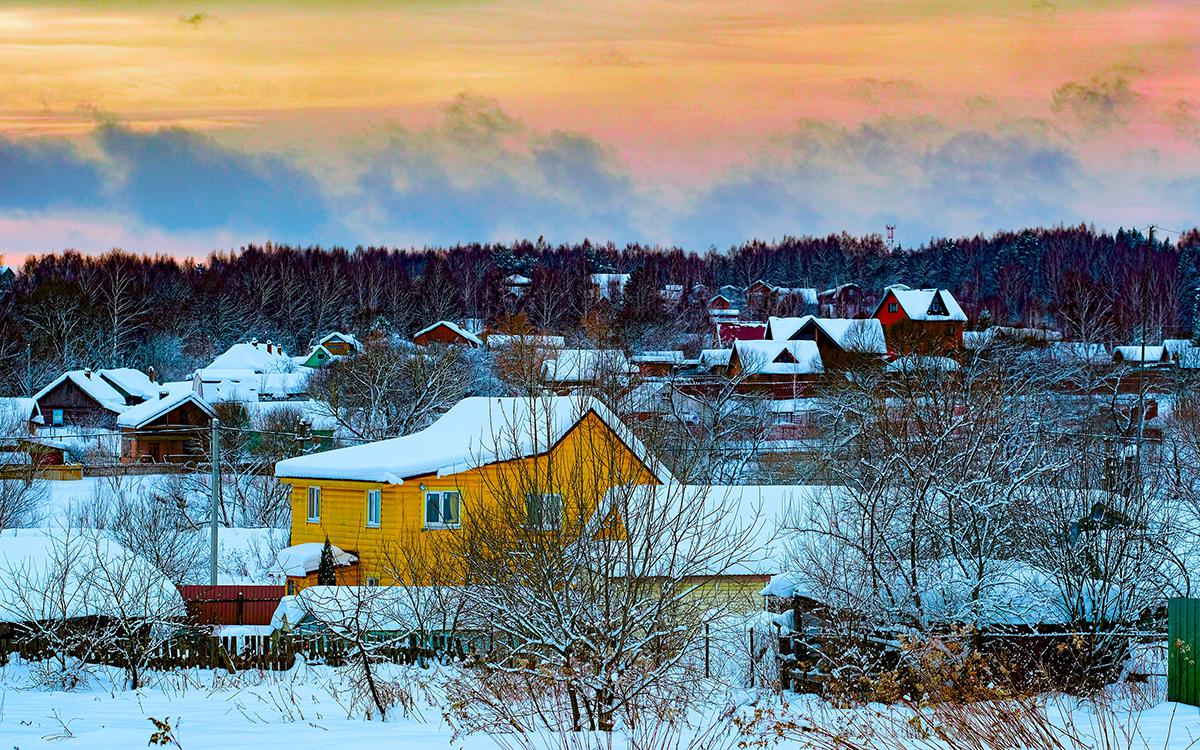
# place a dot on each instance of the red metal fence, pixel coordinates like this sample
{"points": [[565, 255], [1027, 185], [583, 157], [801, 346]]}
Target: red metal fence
{"points": [[232, 605]]}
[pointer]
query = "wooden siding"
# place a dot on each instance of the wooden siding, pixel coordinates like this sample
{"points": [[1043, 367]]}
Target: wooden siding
{"points": [[344, 503]]}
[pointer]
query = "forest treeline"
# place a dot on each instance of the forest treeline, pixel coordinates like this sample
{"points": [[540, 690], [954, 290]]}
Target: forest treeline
{"points": [[69, 310]]}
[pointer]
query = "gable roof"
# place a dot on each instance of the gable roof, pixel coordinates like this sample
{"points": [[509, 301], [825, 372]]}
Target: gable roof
{"points": [[1133, 353], [133, 382], [97, 388], [343, 337], [672, 357], [475, 432], [585, 365], [455, 328], [144, 413], [778, 357], [851, 334], [917, 303], [254, 356]]}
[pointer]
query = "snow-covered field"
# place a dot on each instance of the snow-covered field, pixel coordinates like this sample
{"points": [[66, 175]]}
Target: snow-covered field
{"points": [[312, 707]]}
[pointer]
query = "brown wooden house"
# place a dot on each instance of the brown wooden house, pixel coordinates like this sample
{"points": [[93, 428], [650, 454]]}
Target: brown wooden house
{"points": [[445, 332], [83, 398], [169, 429]]}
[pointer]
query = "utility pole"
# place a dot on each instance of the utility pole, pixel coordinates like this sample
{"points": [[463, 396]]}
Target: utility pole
{"points": [[29, 370], [216, 500], [1145, 329]]}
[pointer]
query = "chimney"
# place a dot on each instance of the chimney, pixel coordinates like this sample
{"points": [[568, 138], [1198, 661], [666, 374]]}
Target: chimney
{"points": [[151, 374], [268, 347], [163, 393], [87, 373]]}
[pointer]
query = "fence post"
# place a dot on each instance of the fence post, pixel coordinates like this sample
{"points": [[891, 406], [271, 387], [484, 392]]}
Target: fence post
{"points": [[241, 606]]}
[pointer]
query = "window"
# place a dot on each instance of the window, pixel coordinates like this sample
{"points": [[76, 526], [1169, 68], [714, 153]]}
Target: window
{"points": [[56, 417], [372, 581], [374, 508], [441, 510], [314, 504], [543, 511], [893, 307]]}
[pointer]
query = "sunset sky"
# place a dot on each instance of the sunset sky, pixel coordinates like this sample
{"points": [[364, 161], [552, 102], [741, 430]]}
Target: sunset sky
{"points": [[189, 127]]}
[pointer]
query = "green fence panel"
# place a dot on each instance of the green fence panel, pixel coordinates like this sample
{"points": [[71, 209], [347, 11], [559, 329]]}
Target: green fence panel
{"points": [[1183, 651]]}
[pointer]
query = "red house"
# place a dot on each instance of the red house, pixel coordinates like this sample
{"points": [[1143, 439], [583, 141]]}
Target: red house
{"points": [[445, 332], [920, 321]]}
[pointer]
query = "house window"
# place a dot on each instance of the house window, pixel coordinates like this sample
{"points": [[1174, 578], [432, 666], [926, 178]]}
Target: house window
{"points": [[372, 581], [893, 307], [374, 508], [543, 511], [314, 504], [441, 510], [56, 417]]}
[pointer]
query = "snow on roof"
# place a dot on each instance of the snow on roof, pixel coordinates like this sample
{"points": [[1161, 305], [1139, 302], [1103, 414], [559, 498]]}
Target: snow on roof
{"points": [[397, 610], [498, 340], [606, 282], [1189, 359], [301, 559], [851, 334], [808, 294], [753, 515], [917, 303], [659, 357], [715, 357], [922, 363], [146, 412], [516, 279], [217, 386], [457, 329], [1133, 353], [778, 357], [134, 382], [338, 335], [253, 356], [17, 407], [46, 573], [1176, 347], [90, 382], [584, 365], [475, 432]]}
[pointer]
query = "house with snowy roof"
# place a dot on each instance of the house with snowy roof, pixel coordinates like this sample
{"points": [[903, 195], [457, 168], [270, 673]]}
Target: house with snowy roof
{"points": [[609, 286], [170, 428], [765, 298], [92, 398], [920, 321], [784, 368], [448, 333], [398, 505], [572, 368], [842, 342], [250, 371]]}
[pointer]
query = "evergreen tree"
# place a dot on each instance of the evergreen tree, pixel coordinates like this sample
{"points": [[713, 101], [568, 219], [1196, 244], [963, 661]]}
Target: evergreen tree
{"points": [[326, 574]]}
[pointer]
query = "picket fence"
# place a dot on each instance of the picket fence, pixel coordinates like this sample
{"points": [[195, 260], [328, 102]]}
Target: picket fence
{"points": [[265, 652]]}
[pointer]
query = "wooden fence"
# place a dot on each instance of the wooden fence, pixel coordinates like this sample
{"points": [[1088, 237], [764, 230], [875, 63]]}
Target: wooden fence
{"points": [[266, 652]]}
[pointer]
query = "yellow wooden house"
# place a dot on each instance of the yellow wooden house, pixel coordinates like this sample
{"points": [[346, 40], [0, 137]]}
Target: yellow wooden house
{"points": [[399, 505]]}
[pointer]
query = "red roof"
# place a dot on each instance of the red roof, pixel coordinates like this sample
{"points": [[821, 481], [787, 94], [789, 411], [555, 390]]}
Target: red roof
{"points": [[729, 332]]}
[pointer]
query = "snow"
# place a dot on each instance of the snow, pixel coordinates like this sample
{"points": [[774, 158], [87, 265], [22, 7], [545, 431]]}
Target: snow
{"points": [[606, 282], [49, 572], [916, 303], [377, 609], [144, 413], [715, 357], [23, 409], [134, 382], [1076, 352], [501, 340], [316, 414], [659, 357], [245, 385], [585, 365], [922, 363], [301, 559], [339, 336], [779, 357], [753, 515], [92, 384], [457, 329], [851, 334], [253, 356], [474, 432], [1133, 353]]}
